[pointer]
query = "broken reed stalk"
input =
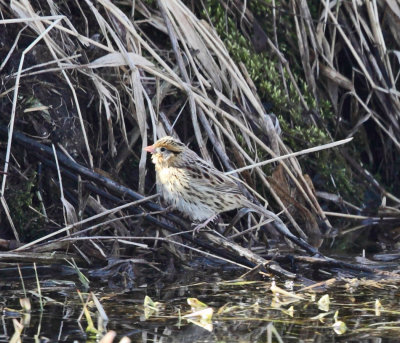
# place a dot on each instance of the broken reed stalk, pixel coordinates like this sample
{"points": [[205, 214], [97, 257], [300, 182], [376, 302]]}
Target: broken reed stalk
{"points": [[116, 187], [123, 191], [378, 65], [238, 254]]}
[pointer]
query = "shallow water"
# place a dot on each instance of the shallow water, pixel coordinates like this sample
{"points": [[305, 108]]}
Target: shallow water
{"points": [[243, 311]]}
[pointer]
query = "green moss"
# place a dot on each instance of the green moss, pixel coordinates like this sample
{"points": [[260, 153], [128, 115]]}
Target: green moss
{"points": [[298, 128], [150, 3], [264, 71], [25, 220]]}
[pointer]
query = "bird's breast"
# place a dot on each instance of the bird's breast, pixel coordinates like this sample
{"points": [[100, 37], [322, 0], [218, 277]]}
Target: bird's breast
{"points": [[176, 190], [172, 180]]}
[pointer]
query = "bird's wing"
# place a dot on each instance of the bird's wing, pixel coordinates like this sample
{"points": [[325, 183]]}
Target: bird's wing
{"points": [[206, 176]]}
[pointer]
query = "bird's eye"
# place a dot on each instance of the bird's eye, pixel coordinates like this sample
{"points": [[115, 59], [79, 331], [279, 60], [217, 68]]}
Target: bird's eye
{"points": [[163, 149]]}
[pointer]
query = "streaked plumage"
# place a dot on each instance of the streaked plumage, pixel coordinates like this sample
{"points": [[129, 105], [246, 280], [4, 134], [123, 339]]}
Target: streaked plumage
{"points": [[190, 184], [199, 190]]}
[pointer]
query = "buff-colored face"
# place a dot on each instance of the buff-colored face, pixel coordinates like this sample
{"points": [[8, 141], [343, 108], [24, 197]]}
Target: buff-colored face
{"points": [[166, 151]]}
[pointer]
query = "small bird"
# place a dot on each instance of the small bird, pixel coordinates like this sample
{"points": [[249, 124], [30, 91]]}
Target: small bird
{"points": [[190, 184], [199, 190]]}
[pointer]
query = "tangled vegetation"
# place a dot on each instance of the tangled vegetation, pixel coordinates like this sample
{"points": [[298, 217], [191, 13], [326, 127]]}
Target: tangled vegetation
{"points": [[86, 85]]}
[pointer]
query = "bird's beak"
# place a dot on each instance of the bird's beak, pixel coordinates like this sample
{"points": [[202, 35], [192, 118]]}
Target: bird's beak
{"points": [[151, 149]]}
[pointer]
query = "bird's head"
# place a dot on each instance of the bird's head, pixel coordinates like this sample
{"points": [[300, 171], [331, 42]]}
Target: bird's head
{"points": [[166, 152]]}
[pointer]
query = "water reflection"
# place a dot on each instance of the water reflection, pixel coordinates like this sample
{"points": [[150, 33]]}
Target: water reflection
{"points": [[241, 311]]}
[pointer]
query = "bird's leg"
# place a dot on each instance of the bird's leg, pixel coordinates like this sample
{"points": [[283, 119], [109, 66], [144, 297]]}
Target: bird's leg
{"points": [[169, 208], [202, 225]]}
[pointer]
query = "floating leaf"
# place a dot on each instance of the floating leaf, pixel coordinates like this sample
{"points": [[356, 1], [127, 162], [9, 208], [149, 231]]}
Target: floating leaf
{"points": [[201, 318], [196, 304], [150, 307], [339, 327], [324, 302]]}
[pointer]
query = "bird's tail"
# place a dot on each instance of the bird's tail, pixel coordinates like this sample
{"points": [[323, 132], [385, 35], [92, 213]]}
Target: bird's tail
{"points": [[282, 228]]}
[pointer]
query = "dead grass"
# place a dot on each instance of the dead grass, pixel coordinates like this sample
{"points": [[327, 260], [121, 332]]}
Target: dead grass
{"points": [[125, 76]]}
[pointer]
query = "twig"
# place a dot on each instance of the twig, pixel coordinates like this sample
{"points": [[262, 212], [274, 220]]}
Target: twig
{"points": [[294, 154]]}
